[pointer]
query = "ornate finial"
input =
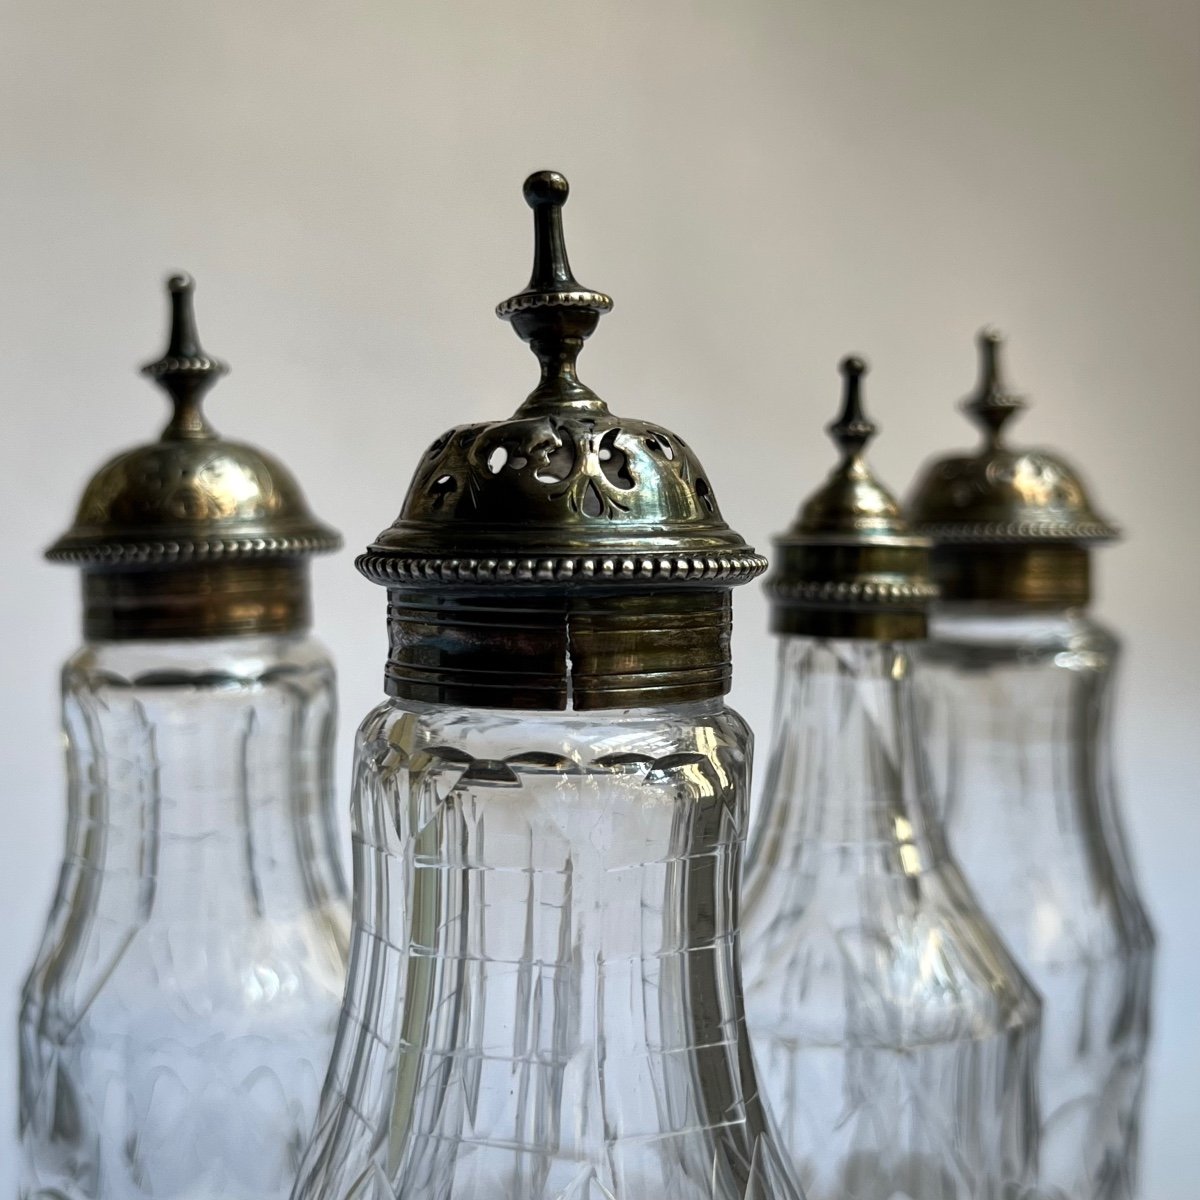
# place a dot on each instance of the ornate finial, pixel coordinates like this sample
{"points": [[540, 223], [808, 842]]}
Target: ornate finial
{"points": [[853, 429], [992, 405], [850, 566], [554, 314], [186, 371]]}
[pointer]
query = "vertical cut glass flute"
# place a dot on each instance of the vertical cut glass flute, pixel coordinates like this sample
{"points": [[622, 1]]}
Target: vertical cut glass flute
{"points": [[896, 1039], [544, 998], [177, 1021], [1019, 707]]}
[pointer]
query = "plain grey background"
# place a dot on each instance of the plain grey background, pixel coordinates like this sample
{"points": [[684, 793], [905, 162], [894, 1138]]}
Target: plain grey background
{"points": [[762, 187]]}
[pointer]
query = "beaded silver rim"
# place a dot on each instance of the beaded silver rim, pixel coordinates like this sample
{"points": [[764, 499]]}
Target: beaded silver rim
{"points": [[718, 568], [178, 550]]}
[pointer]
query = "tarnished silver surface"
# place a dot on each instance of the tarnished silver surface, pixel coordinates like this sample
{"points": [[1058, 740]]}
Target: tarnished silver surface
{"points": [[1009, 525], [174, 536], [850, 566], [565, 554]]}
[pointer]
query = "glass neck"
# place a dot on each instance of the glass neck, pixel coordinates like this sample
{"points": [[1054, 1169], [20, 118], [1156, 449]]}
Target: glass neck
{"points": [[200, 774], [1031, 701], [1019, 717], [846, 775]]}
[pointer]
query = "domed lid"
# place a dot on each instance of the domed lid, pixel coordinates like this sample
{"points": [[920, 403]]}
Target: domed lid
{"points": [[850, 566], [564, 494], [1001, 494], [192, 496]]}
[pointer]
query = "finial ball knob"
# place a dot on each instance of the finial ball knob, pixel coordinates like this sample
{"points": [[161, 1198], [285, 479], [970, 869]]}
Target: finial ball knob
{"points": [[853, 366], [546, 187], [181, 282]]}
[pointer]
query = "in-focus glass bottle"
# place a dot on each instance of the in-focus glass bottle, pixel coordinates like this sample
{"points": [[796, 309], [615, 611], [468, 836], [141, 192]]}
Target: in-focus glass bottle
{"points": [[895, 1036], [548, 813], [1018, 691], [179, 1016]]}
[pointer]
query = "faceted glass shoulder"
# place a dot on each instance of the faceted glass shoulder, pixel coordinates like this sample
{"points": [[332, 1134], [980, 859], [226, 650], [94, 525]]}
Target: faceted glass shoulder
{"points": [[543, 1000], [182, 1005], [1019, 711], [895, 1035]]}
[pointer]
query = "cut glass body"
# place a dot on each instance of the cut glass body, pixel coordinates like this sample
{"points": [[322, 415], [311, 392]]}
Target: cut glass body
{"points": [[1019, 708], [543, 1001], [895, 1037], [177, 1021]]}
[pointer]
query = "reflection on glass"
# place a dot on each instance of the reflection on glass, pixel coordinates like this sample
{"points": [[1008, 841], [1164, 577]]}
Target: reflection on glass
{"points": [[543, 998], [1019, 706], [179, 1015], [896, 1039]]}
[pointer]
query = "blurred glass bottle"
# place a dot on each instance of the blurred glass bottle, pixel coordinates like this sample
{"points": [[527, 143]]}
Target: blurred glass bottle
{"points": [[182, 1006], [548, 813], [1019, 698], [896, 1038]]}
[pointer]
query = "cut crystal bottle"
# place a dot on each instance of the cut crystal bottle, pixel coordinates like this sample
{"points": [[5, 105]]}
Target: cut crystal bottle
{"points": [[895, 1036], [1017, 689], [178, 1018], [549, 808]]}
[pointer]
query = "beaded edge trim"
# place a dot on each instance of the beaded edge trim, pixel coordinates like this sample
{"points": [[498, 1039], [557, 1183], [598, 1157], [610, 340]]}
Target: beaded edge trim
{"points": [[866, 593], [386, 568], [1020, 531], [175, 550], [527, 300], [193, 364]]}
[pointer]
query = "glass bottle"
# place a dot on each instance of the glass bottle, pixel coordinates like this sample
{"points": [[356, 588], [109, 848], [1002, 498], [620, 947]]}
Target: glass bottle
{"points": [[180, 1012], [548, 812], [895, 1036], [1018, 696]]}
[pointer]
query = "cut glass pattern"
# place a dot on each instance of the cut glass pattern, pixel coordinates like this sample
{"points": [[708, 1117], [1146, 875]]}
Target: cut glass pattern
{"points": [[896, 1039], [176, 1024], [1019, 707], [543, 1000]]}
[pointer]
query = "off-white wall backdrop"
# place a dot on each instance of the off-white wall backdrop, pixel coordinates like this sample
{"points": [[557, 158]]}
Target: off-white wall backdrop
{"points": [[761, 186]]}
